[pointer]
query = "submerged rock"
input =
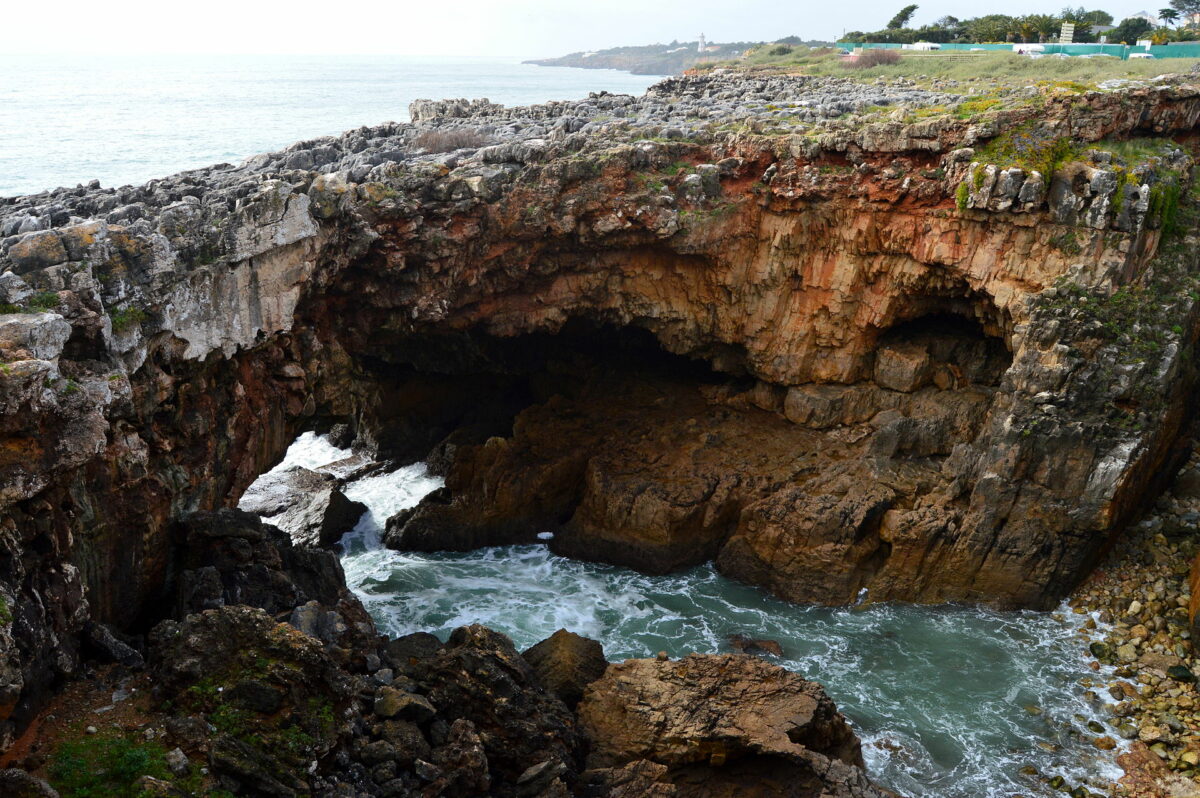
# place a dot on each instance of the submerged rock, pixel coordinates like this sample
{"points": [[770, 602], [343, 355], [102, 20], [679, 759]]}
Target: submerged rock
{"points": [[751, 646]]}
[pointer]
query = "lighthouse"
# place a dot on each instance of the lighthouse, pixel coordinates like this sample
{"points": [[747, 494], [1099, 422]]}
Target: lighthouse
{"points": [[700, 47]]}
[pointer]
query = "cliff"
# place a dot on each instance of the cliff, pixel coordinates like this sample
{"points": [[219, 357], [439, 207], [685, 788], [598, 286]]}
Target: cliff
{"points": [[838, 337]]}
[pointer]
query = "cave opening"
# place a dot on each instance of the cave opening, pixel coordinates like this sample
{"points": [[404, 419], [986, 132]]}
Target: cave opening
{"points": [[944, 348], [434, 391]]}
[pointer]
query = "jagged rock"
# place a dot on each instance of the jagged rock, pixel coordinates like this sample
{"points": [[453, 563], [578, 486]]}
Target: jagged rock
{"points": [[391, 703], [407, 651], [309, 506], [230, 557], [717, 720], [288, 690], [566, 663], [464, 680], [109, 647], [638, 779], [15, 783]]}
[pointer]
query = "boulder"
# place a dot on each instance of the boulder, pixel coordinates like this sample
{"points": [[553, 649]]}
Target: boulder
{"points": [[16, 783], [479, 676], [39, 336], [723, 725], [308, 505], [566, 663], [902, 366]]}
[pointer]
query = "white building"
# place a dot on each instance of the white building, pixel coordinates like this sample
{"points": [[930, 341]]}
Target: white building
{"points": [[700, 48]]}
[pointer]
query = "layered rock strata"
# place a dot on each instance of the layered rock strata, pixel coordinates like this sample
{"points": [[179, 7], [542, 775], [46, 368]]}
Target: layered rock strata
{"points": [[934, 379]]}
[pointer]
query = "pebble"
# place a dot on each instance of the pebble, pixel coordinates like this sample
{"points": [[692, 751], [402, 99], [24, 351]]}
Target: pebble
{"points": [[1138, 602]]}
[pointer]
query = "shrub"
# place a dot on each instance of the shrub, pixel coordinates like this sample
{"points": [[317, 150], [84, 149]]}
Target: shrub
{"points": [[963, 196], [126, 317], [781, 49], [450, 140], [874, 57], [44, 300]]}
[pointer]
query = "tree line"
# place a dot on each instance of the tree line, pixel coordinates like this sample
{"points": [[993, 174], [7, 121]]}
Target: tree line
{"points": [[1178, 22]]}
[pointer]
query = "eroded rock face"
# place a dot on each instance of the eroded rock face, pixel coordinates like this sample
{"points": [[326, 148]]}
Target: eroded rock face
{"points": [[215, 314], [720, 724]]}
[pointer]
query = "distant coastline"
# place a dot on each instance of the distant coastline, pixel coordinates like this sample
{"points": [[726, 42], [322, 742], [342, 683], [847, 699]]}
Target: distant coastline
{"points": [[655, 59]]}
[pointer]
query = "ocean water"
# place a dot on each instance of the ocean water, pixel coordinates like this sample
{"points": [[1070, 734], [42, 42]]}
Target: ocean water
{"points": [[950, 702], [127, 119]]}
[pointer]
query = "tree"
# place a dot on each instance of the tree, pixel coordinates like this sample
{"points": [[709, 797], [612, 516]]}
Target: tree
{"points": [[992, 28], [1168, 15], [1043, 25], [901, 20], [1188, 9], [1081, 16], [1130, 30]]}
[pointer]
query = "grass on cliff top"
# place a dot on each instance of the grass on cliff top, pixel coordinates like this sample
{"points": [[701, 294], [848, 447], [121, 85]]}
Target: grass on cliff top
{"points": [[1000, 67]]}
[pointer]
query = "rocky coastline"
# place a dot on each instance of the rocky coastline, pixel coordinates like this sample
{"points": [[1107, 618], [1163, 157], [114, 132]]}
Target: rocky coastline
{"points": [[934, 342]]}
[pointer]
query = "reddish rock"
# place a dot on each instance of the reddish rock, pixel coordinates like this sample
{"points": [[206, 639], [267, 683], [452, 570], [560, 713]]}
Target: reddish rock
{"points": [[722, 726]]}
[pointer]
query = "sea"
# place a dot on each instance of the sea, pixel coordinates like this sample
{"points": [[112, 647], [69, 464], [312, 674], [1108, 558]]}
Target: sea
{"points": [[123, 120], [949, 701]]}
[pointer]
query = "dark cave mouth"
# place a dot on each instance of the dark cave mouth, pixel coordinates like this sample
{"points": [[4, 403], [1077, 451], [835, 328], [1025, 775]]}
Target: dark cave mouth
{"points": [[942, 348]]}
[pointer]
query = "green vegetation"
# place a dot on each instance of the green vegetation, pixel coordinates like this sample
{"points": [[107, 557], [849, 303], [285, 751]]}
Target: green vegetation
{"points": [[1035, 27], [6, 615], [125, 318], [44, 300], [997, 67], [41, 301], [1029, 147], [1133, 325], [962, 196], [105, 765], [1067, 242]]}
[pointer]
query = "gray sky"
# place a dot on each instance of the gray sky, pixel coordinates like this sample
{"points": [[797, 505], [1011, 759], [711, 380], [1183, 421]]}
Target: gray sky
{"points": [[525, 28]]}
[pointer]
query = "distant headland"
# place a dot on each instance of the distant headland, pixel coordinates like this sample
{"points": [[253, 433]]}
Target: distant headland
{"points": [[659, 59]]}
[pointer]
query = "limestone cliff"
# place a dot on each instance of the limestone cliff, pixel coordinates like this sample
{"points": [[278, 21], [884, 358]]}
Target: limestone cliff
{"points": [[928, 369]]}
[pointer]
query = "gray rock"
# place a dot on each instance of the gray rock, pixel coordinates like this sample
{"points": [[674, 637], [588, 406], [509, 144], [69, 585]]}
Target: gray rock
{"points": [[308, 505]]}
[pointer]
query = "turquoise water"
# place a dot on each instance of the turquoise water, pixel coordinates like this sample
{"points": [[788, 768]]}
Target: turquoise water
{"points": [[949, 701], [128, 119]]}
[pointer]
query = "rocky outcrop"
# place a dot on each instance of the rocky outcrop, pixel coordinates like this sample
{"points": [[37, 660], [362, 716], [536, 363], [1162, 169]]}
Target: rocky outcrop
{"points": [[814, 258], [722, 725], [565, 664], [308, 505]]}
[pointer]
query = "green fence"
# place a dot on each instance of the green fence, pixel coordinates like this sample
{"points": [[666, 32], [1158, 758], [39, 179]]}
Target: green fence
{"points": [[1182, 50]]}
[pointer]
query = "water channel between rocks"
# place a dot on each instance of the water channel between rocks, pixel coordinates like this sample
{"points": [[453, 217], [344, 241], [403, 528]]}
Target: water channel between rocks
{"points": [[949, 701]]}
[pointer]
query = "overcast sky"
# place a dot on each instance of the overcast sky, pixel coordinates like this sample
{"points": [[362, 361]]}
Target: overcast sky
{"points": [[525, 28]]}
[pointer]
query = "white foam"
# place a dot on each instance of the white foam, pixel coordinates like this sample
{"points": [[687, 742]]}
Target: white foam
{"points": [[311, 451]]}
